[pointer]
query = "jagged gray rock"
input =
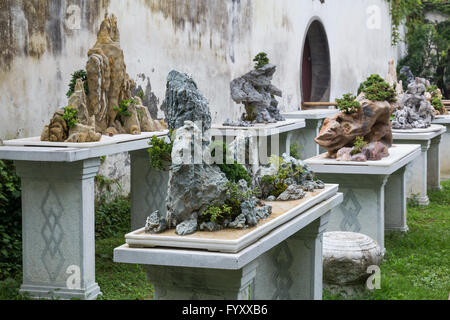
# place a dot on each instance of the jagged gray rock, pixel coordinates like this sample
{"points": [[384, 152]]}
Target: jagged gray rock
{"points": [[263, 212], [249, 211], [293, 192], [187, 227], [417, 111], [156, 223], [257, 93], [238, 223], [406, 71], [184, 102]]}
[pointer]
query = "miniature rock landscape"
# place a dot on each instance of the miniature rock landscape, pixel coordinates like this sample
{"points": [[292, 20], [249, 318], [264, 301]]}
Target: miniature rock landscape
{"points": [[101, 102]]}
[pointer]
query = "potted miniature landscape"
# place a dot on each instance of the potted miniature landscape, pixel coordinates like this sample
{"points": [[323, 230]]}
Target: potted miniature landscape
{"points": [[258, 95], [100, 98], [215, 193]]}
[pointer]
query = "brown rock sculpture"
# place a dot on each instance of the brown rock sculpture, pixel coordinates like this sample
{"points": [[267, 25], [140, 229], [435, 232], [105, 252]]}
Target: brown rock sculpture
{"points": [[372, 122]]}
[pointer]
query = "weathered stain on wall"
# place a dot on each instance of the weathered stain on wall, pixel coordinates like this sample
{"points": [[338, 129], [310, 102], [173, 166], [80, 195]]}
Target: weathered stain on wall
{"points": [[32, 27]]}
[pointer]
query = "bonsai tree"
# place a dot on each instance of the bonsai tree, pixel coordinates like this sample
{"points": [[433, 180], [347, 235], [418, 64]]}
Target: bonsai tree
{"points": [[375, 88], [261, 60], [348, 104]]}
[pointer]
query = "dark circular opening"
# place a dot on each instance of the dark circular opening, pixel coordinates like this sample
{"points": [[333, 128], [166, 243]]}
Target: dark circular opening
{"points": [[316, 70]]}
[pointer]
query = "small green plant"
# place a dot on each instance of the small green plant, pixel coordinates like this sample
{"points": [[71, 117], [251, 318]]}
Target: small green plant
{"points": [[358, 146], [218, 214], [376, 88], [295, 150], [436, 101], [160, 152], [250, 113], [348, 104], [261, 60], [233, 170], [80, 74], [235, 196], [141, 94], [112, 219], [122, 109], [70, 116]]}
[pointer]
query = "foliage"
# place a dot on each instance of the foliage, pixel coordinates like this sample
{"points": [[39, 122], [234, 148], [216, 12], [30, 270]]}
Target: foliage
{"points": [[160, 152], [436, 101], [235, 196], [261, 60], [250, 113], [376, 88], [70, 116], [10, 220], [80, 74], [141, 94], [112, 219], [295, 150], [348, 104], [359, 145], [428, 43], [122, 109], [233, 170]]}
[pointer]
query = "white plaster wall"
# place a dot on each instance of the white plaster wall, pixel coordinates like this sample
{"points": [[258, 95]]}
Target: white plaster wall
{"points": [[214, 40]]}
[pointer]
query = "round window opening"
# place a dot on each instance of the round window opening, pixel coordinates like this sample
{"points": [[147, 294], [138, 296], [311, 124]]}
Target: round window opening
{"points": [[316, 70]]}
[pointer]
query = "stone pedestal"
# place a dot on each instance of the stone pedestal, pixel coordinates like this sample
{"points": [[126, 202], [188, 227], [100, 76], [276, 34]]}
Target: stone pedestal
{"points": [[305, 137], [424, 172], [291, 269], [58, 229], [148, 189], [374, 192], [445, 146], [176, 283]]}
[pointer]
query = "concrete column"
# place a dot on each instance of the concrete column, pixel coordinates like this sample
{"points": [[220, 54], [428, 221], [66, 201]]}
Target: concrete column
{"points": [[363, 208], [179, 283], [434, 164], [148, 189], [445, 154], [305, 138], [58, 232], [293, 269], [395, 202]]}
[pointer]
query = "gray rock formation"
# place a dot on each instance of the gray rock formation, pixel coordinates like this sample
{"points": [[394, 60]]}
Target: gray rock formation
{"points": [[417, 111], [187, 227], [184, 102], [293, 192], [156, 223], [257, 93], [192, 187], [406, 71]]}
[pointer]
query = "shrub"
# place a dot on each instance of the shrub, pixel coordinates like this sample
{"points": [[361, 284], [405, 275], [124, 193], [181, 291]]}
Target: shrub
{"points": [[122, 109], [295, 150], [233, 171], [348, 104], [10, 220], [70, 116], [80, 74], [160, 152], [435, 98], [261, 60], [217, 214], [376, 88], [359, 145]]}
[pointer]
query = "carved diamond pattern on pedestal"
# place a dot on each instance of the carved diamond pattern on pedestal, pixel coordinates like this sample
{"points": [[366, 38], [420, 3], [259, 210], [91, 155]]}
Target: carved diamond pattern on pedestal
{"points": [[281, 278], [351, 209], [52, 233], [156, 190]]}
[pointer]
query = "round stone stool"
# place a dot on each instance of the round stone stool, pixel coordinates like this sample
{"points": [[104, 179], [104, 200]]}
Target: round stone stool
{"points": [[347, 257]]}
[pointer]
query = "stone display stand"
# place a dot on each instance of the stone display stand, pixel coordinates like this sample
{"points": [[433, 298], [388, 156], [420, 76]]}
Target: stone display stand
{"points": [[374, 192], [58, 215], [281, 132], [424, 172], [284, 264], [445, 146], [305, 137]]}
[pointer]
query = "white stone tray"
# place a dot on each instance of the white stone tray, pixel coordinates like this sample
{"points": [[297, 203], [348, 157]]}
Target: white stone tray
{"points": [[105, 141], [315, 114], [229, 240], [433, 128]]}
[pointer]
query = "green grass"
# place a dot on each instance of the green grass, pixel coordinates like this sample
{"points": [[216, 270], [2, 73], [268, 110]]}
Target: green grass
{"points": [[416, 265]]}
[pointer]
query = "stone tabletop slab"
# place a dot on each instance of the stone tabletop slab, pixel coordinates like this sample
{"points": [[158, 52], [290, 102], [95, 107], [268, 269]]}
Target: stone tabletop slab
{"points": [[229, 240], [260, 130], [400, 155], [225, 261], [442, 120], [311, 114], [419, 134], [24, 150]]}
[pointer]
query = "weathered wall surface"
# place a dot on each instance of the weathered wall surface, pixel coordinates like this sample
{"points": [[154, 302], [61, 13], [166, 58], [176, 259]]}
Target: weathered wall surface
{"points": [[44, 41]]}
